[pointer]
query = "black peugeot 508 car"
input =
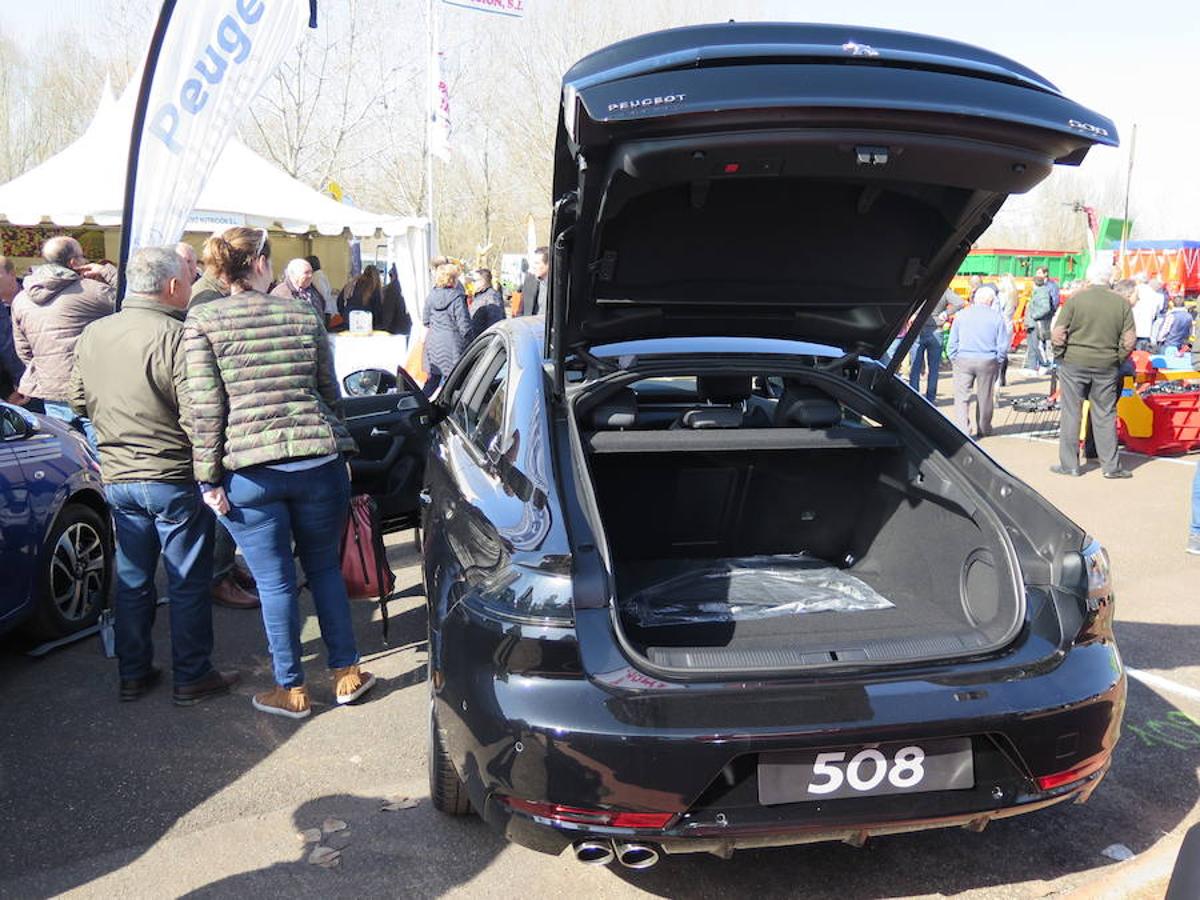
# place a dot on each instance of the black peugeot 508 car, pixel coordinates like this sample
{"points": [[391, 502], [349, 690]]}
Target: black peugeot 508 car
{"points": [[702, 573]]}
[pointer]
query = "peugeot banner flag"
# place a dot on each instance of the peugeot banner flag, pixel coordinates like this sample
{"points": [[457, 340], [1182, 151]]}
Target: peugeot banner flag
{"points": [[207, 61]]}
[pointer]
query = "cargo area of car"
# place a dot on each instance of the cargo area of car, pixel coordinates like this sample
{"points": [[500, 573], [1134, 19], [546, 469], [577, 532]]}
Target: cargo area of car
{"points": [[750, 533]]}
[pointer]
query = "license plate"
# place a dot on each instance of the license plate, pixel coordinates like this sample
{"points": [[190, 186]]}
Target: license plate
{"points": [[899, 768]]}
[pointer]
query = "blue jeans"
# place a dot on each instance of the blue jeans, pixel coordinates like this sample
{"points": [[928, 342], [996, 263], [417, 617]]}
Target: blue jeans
{"points": [[224, 553], [268, 509], [928, 346], [1196, 503], [64, 413], [154, 516]]}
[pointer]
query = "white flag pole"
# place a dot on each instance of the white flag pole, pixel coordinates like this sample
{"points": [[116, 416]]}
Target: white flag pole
{"points": [[431, 123]]}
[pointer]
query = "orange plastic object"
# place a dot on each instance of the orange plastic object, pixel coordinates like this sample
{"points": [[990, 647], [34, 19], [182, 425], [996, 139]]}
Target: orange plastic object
{"points": [[1175, 425]]}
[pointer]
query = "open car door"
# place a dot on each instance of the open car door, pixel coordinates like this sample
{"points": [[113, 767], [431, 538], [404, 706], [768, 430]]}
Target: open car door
{"points": [[392, 432]]}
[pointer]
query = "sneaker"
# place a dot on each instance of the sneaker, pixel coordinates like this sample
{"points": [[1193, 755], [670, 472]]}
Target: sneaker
{"points": [[1193, 544], [351, 683], [283, 701], [1118, 473], [1059, 470]]}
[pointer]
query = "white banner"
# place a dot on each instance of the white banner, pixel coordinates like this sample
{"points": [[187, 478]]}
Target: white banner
{"points": [[514, 9], [215, 58]]}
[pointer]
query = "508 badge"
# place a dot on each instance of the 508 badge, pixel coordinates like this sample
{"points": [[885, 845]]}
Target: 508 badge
{"points": [[1088, 127]]}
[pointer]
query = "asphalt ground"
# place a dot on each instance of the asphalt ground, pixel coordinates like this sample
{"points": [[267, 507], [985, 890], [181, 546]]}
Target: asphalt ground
{"points": [[102, 799]]}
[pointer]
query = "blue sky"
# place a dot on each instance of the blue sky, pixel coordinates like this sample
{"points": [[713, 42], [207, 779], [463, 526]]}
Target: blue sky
{"points": [[1130, 62]]}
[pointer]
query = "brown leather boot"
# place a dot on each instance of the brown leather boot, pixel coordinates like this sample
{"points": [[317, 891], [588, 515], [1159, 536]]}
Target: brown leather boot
{"points": [[226, 593], [242, 578]]}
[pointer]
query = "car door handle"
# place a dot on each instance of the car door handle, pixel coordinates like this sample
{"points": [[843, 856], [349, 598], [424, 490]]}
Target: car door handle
{"points": [[425, 498], [380, 432]]}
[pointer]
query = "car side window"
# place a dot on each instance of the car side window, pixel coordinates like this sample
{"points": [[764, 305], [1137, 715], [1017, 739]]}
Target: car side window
{"points": [[491, 411], [457, 392]]}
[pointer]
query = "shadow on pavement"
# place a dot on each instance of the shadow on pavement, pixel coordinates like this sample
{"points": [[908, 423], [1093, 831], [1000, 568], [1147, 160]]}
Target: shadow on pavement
{"points": [[413, 853], [86, 782]]}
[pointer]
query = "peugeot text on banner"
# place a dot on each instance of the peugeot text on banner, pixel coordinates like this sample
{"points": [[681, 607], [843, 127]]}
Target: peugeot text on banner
{"points": [[215, 57], [512, 8]]}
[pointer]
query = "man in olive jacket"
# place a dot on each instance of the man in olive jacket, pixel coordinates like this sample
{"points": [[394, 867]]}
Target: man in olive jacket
{"points": [[130, 379], [1092, 335]]}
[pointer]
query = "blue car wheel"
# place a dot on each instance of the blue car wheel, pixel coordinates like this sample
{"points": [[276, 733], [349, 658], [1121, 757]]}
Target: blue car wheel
{"points": [[74, 574]]}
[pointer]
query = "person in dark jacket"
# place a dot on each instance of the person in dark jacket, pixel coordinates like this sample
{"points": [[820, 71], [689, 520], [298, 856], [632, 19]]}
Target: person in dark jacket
{"points": [[364, 292], [533, 290], [394, 311], [487, 305], [130, 380], [1092, 335], [447, 325], [11, 367], [270, 456]]}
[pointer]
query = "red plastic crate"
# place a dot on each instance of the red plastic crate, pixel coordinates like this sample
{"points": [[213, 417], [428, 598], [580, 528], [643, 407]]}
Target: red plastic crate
{"points": [[1176, 425]]}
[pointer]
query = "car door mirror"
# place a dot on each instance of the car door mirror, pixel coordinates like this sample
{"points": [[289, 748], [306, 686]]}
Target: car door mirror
{"points": [[14, 426], [368, 382]]}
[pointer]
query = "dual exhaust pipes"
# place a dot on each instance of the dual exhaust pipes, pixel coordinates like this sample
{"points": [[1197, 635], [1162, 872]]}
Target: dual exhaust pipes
{"points": [[630, 855]]}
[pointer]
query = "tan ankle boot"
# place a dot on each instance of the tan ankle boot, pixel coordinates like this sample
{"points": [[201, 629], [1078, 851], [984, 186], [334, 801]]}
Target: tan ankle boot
{"points": [[351, 683], [282, 701]]}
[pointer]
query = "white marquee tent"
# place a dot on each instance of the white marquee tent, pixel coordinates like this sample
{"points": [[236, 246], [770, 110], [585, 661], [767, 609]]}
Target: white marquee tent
{"points": [[85, 183]]}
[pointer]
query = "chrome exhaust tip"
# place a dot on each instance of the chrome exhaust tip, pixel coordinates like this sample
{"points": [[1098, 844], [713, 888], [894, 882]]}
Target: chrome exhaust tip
{"points": [[593, 853], [635, 856]]}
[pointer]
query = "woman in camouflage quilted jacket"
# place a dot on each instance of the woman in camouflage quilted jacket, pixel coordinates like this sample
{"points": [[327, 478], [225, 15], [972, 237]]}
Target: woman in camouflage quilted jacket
{"points": [[270, 453]]}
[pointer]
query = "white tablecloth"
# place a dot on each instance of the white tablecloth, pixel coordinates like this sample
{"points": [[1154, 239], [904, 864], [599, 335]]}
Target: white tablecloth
{"points": [[378, 350]]}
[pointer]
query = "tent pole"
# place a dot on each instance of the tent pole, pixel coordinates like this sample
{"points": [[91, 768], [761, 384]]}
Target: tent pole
{"points": [[135, 140], [1125, 220]]}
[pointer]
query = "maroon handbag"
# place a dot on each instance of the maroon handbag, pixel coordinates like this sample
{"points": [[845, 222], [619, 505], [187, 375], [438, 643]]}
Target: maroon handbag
{"points": [[365, 567]]}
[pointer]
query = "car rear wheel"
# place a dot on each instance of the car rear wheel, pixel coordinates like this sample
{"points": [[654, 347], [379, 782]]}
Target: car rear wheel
{"points": [[446, 789], [74, 574]]}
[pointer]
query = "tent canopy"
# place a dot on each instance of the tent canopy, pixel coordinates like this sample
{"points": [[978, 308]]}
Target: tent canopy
{"points": [[85, 183]]}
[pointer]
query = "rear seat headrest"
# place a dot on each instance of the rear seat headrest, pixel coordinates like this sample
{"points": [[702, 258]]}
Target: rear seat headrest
{"points": [[724, 388], [814, 412], [805, 406], [617, 410], [712, 417]]}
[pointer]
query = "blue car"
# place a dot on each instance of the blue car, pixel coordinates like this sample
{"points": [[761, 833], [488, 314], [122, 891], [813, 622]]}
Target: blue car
{"points": [[56, 543]]}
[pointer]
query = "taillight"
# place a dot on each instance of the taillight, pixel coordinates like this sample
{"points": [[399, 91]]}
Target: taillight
{"points": [[577, 816], [1076, 773], [1087, 576]]}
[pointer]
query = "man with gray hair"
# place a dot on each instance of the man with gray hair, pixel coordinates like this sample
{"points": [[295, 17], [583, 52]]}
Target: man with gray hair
{"points": [[130, 379], [298, 284], [979, 340], [58, 301], [1092, 333]]}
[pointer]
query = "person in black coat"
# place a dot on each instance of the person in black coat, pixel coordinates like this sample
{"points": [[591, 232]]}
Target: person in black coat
{"points": [[394, 312], [533, 289], [447, 324], [487, 306]]}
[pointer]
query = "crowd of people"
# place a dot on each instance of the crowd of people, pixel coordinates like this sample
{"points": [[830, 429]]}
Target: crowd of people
{"points": [[452, 319], [199, 454]]}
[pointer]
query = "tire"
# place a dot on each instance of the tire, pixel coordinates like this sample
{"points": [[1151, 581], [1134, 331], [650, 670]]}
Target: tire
{"points": [[74, 572], [446, 790]]}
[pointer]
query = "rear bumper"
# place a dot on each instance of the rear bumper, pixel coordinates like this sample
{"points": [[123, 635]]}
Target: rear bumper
{"points": [[625, 742], [549, 837]]}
